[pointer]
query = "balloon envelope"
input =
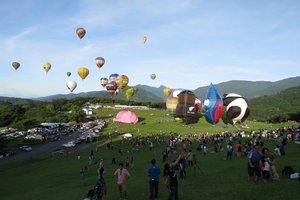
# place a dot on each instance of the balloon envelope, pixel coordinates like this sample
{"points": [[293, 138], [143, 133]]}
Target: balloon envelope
{"points": [[69, 73], [122, 81], [80, 32], [83, 72], [15, 65], [113, 77], [71, 85], [111, 88], [103, 81], [171, 104], [47, 66], [213, 105], [100, 61], [186, 104], [236, 107], [167, 91], [152, 76], [144, 39]]}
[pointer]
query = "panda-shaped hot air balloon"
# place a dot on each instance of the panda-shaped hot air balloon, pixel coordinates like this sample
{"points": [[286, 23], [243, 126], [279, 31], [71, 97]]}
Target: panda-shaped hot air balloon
{"points": [[236, 107]]}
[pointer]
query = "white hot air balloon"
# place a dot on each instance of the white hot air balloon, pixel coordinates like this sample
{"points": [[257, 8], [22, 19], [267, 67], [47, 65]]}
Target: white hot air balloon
{"points": [[71, 85]]}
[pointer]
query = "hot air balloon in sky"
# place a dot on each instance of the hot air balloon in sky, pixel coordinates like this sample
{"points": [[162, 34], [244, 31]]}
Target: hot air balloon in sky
{"points": [[152, 76], [111, 88], [15, 65], [144, 39], [167, 91], [100, 62], [129, 92], [71, 85], [113, 77], [122, 81], [47, 66], [213, 104], [103, 81], [80, 32], [69, 73], [236, 107], [83, 72]]}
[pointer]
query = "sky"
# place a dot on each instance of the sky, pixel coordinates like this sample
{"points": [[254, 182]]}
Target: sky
{"points": [[191, 43]]}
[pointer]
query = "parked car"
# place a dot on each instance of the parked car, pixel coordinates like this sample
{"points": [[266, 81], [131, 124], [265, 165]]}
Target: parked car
{"points": [[26, 148]]}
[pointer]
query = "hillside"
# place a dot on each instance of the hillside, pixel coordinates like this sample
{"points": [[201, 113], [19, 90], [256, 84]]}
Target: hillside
{"points": [[140, 96], [277, 107], [14, 100], [251, 89]]}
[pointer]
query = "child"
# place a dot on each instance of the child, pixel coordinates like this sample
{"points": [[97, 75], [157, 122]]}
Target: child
{"points": [[266, 167]]}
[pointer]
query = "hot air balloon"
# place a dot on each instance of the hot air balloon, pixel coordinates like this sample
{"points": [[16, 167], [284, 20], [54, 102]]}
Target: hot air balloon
{"points": [[176, 93], [144, 39], [15, 65], [103, 81], [171, 104], [69, 73], [152, 76], [100, 62], [71, 85], [129, 92], [47, 66], [111, 88], [122, 81], [236, 107], [213, 105], [113, 77], [167, 91], [83, 72], [198, 104], [186, 104], [80, 32]]}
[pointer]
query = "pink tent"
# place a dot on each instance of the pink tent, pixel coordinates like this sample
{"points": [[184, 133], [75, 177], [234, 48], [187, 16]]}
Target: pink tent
{"points": [[126, 117]]}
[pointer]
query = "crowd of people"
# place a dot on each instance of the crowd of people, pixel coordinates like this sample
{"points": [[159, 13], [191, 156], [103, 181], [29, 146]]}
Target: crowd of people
{"points": [[178, 154]]}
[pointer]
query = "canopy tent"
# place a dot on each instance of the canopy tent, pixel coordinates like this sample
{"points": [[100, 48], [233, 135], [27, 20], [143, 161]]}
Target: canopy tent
{"points": [[126, 117]]}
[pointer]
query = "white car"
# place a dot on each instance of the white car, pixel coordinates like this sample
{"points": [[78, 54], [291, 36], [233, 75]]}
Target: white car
{"points": [[26, 148], [69, 144]]}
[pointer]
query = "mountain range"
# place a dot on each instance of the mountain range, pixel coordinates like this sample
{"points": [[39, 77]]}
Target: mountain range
{"points": [[248, 89]]}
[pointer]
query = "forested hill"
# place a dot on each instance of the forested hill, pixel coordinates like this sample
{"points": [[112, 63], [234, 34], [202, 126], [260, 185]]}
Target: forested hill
{"points": [[15, 100], [278, 107], [251, 89]]}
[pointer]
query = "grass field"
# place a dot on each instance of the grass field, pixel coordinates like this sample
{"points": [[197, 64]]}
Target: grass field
{"points": [[49, 177]]}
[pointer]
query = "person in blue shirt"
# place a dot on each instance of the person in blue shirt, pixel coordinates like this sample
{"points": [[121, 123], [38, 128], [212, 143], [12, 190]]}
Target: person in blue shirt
{"points": [[153, 173]]}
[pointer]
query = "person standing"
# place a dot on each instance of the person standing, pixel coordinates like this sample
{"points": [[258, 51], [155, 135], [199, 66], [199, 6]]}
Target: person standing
{"points": [[153, 173], [122, 176]]}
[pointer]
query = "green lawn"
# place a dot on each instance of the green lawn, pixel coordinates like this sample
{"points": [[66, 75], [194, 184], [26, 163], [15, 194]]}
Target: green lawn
{"points": [[49, 177]]}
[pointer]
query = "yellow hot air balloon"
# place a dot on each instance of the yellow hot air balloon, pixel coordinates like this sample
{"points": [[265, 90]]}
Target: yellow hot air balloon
{"points": [[83, 72], [47, 66], [144, 39], [171, 104], [122, 81], [15, 65]]}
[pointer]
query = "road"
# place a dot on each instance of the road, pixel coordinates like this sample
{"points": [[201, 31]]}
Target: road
{"points": [[47, 147]]}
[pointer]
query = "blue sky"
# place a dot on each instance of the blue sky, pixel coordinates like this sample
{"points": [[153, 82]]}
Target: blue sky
{"points": [[191, 43]]}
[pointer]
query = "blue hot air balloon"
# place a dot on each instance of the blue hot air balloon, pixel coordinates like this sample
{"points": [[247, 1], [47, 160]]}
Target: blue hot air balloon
{"points": [[213, 104]]}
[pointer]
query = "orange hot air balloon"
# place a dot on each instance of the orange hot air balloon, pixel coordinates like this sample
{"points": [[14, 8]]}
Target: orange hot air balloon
{"points": [[83, 72], [80, 32], [100, 61]]}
